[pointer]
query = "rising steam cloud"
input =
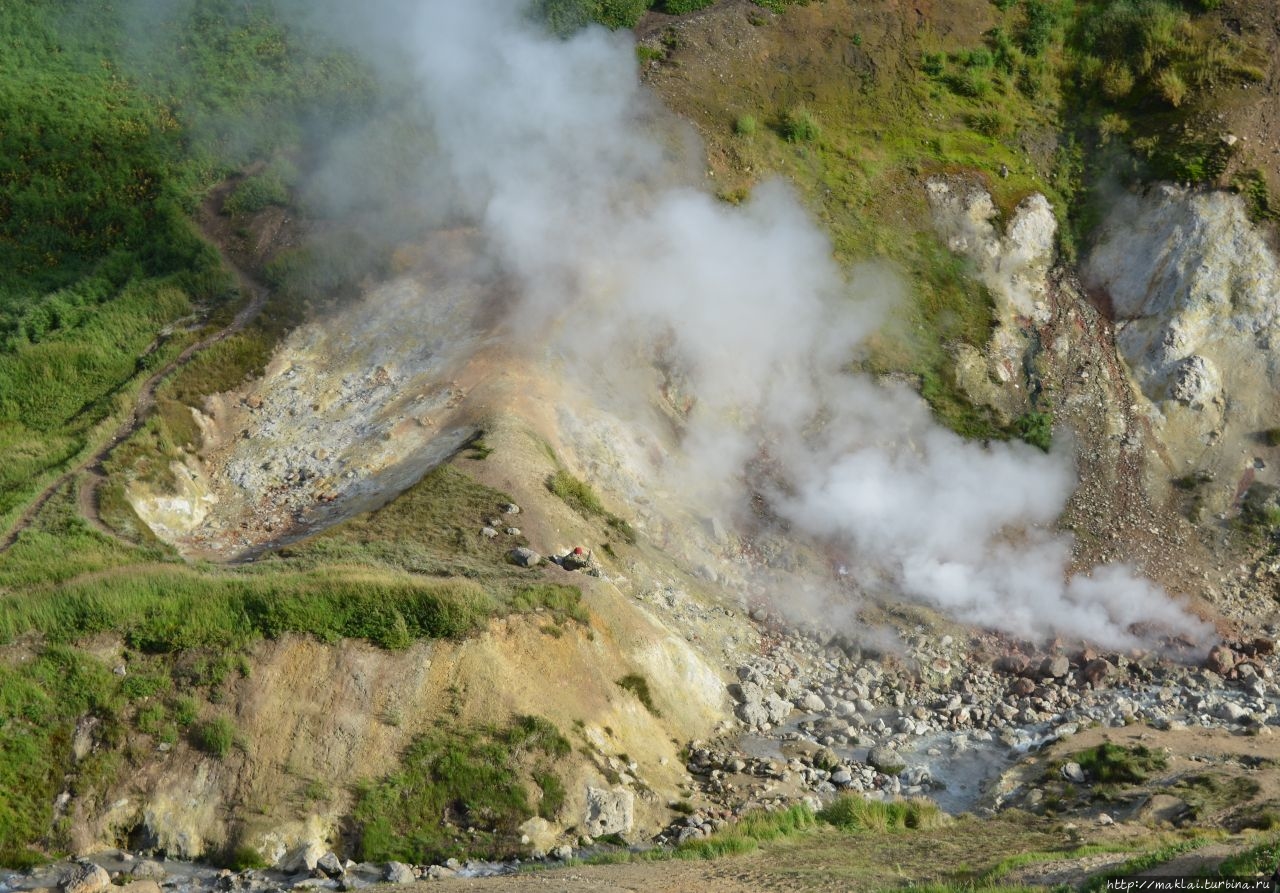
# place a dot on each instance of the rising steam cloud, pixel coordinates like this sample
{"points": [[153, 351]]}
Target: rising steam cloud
{"points": [[547, 141]]}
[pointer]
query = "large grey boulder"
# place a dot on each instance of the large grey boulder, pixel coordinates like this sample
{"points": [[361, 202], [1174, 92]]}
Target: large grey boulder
{"points": [[399, 873], [85, 877], [609, 811]]}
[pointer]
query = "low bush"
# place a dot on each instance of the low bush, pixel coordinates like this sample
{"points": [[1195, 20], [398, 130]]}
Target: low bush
{"points": [[215, 737], [1112, 764]]}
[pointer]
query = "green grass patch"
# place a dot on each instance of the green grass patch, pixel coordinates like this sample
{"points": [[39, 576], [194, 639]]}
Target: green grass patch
{"points": [[564, 602], [1112, 764], [639, 686], [851, 812], [450, 781], [576, 493], [215, 737]]}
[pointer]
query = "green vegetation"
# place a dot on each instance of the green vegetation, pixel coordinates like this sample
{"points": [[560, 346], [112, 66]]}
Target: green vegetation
{"points": [[576, 493], [564, 602], [245, 857], [270, 187], [450, 781], [40, 702], [579, 496], [1112, 764], [215, 737], [639, 686], [1259, 511], [1036, 428], [108, 139], [855, 813], [798, 125]]}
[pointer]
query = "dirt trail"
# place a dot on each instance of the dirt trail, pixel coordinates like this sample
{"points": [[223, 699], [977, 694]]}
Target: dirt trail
{"points": [[92, 465]]}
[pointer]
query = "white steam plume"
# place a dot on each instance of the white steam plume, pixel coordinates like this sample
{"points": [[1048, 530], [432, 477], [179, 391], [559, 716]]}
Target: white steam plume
{"points": [[545, 138]]}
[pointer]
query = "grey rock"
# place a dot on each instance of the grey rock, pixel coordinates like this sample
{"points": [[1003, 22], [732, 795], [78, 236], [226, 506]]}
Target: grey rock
{"points": [[811, 703], [886, 760], [525, 557], [777, 709], [85, 877], [488, 532], [399, 873], [609, 811], [511, 509], [148, 870], [1073, 773], [1232, 712], [330, 865], [1055, 667]]}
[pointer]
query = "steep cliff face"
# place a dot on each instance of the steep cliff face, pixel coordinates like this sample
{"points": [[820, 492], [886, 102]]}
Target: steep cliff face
{"points": [[1193, 287]]}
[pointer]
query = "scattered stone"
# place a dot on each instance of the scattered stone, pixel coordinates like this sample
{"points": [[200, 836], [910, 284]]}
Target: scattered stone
{"points": [[488, 532], [1073, 773], [511, 509]]}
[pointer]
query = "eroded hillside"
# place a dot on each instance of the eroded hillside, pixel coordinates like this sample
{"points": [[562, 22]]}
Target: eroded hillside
{"points": [[549, 476]]}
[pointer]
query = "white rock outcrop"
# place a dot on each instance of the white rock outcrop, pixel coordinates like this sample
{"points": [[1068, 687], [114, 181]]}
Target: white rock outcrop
{"points": [[1194, 289]]}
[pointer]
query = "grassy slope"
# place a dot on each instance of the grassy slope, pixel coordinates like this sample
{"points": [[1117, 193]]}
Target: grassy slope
{"points": [[101, 162]]}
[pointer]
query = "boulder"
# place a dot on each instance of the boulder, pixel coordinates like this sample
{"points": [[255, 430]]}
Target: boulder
{"points": [[1055, 667], [1073, 773], [777, 709], [85, 877], [399, 873], [1022, 687], [148, 869], [1097, 671], [525, 557], [886, 760], [1013, 664], [143, 886], [330, 865], [1220, 660], [811, 703], [609, 811]]}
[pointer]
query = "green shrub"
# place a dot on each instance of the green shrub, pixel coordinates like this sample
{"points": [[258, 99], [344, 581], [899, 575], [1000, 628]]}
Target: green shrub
{"points": [[215, 737], [257, 192], [745, 125], [245, 857], [1036, 428], [799, 126], [639, 686], [1112, 764], [1037, 30]]}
